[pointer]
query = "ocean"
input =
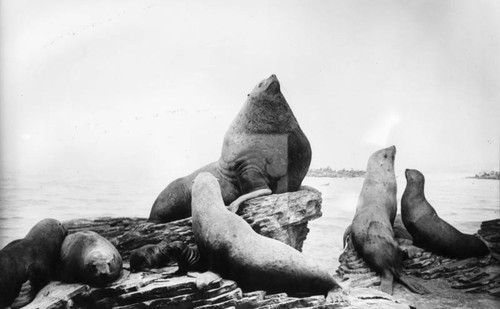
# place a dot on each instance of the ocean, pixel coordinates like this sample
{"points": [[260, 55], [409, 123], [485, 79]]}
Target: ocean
{"points": [[26, 199]]}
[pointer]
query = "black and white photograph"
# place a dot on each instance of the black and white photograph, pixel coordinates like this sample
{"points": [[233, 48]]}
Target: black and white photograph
{"points": [[249, 154]]}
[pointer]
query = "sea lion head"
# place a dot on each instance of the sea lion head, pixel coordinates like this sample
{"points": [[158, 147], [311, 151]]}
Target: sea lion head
{"points": [[267, 88], [205, 189], [382, 161], [49, 231], [414, 183], [99, 267], [414, 177], [139, 260], [175, 249]]}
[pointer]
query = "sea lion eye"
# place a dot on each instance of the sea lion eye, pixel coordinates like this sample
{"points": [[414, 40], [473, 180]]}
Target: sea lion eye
{"points": [[385, 156], [260, 85]]}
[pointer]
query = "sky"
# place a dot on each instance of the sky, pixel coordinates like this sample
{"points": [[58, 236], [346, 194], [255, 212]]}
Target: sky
{"points": [[146, 88]]}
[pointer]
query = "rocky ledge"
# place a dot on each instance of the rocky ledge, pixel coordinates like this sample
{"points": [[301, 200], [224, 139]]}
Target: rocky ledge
{"points": [[283, 217], [466, 283]]}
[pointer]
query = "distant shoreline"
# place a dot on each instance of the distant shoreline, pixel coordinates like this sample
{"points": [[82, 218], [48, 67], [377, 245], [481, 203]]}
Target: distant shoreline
{"points": [[487, 175], [329, 172]]}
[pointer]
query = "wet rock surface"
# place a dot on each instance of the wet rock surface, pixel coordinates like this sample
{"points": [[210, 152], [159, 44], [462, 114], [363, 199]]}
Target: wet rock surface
{"points": [[454, 283], [162, 289]]}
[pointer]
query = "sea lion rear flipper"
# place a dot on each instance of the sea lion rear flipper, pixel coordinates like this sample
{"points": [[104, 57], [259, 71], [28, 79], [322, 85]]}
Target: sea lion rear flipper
{"points": [[235, 205], [336, 296], [412, 284]]}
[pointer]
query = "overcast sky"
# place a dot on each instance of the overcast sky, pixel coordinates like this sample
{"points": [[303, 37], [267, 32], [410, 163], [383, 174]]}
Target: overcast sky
{"points": [[140, 88]]}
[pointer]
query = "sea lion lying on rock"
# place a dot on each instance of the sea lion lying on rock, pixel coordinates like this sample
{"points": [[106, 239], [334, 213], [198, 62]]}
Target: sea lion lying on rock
{"points": [[34, 258], [235, 251], [264, 152], [371, 230], [428, 230], [149, 257], [89, 258]]}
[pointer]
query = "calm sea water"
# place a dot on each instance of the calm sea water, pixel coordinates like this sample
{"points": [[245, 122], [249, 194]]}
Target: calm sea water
{"points": [[27, 199]]}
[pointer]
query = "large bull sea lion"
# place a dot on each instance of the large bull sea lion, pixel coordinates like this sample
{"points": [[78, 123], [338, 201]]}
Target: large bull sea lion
{"points": [[87, 257], [264, 151], [33, 258], [371, 229], [235, 251], [428, 230]]}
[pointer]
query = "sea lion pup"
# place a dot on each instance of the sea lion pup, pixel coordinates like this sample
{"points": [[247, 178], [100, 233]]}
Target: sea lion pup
{"points": [[33, 258], [87, 257], [149, 257], [188, 257], [235, 251], [264, 151], [429, 231], [371, 229]]}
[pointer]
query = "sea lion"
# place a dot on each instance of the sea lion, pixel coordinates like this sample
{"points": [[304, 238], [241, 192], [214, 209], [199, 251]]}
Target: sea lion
{"points": [[264, 151], [187, 256], [33, 258], [371, 229], [87, 257], [429, 231], [149, 257], [235, 251]]}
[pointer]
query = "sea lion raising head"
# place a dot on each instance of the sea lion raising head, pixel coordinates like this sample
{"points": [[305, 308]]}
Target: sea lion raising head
{"points": [[428, 230], [264, 151], [371, 229]]}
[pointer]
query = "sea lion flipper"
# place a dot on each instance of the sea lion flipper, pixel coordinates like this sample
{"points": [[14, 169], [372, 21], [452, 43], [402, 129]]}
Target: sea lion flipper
{"points": [[347, 235], [235, 205], [412, 284], [204, 279], [410, 251], [387, 280], [336, 296]]}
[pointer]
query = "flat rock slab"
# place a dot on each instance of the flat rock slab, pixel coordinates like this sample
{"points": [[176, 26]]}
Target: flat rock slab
{"points": [[57, 295], [161, 289]]}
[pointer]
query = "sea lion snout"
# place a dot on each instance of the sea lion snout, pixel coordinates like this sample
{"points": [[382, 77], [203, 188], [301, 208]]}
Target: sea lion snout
{"points": [[391, 152]]}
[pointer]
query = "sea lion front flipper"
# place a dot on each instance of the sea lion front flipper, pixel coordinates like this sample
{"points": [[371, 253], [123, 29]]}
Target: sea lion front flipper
{"points": [[235, 205], [413, 285], [387, 280]]}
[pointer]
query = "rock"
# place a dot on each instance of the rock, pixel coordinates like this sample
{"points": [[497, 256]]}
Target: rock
{"points": [[453, 282], [280, 216], [57, 295]]}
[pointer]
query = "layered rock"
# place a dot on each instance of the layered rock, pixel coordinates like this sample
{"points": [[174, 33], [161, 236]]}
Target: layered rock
{"points": [[280, 216], [452, 282]]}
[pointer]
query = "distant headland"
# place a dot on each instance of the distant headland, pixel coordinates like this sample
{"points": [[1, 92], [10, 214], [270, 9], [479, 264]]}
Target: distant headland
{"points": [[487, 175], [329, 172]]}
